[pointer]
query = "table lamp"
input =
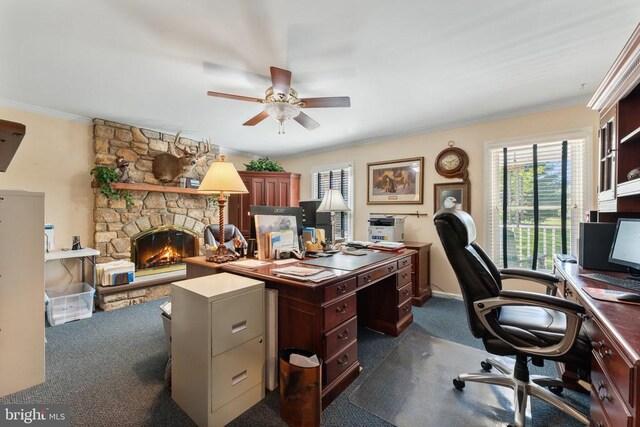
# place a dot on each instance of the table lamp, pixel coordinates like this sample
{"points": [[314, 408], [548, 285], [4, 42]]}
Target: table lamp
{"points": [[333, 202], [222, 178]]}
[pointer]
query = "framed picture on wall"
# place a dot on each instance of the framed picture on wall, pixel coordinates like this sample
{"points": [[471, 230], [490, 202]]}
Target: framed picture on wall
{"points": [[395, 182], [451, 195]]}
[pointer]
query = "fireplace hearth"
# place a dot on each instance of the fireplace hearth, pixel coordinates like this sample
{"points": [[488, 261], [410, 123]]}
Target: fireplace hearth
{"points": [[163, 249]]}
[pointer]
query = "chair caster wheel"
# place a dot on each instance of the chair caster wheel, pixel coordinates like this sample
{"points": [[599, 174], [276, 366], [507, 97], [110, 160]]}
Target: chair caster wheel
{"points": [[556, 389], [486, 366], [459, 385]]}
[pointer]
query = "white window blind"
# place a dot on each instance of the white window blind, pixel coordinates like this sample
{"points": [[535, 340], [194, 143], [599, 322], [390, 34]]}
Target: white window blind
{"points": [[338, 178], [520, 225]]}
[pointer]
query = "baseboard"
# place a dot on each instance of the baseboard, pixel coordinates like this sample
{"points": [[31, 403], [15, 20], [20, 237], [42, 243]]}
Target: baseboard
{"points": [[447, 295]]}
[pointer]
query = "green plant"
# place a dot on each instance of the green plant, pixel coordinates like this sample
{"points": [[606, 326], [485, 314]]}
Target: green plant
{"points": [[264, 165], [104, 176]]}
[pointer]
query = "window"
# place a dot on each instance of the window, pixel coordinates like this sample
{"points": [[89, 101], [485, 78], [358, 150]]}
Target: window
{"points": [[337, 177], [536, 201]]}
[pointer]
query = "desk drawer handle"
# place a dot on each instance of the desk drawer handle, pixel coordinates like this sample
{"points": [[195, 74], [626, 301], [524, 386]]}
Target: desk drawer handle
{"points": [[406, 308], [599, 424], [597, 345], [342, 336], [341, 289], [343, 360], [605, 354], [390, 268], [406, 292], [367, 278], [405, 275], [343, 309]]}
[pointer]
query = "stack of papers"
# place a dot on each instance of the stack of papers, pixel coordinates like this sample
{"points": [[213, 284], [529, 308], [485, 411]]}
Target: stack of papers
{"points": [[249, 263], [387, 246], [303, 273]]}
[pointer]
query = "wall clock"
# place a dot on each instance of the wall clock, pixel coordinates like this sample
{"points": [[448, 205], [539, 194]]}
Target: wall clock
{"points": [[452, 162]]}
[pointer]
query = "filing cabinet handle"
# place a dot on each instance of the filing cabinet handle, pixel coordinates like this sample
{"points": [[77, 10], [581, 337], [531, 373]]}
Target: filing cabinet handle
{"points": [[343, 309], [343, 360], [344, 335], [341, 289]]}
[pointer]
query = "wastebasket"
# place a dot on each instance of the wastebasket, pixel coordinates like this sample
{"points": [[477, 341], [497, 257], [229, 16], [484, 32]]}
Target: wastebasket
{"points": [[300, 390]]}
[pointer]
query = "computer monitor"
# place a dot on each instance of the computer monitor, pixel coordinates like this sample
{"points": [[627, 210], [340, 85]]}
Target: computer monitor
{"points": [[626, 245], [274, 210]]}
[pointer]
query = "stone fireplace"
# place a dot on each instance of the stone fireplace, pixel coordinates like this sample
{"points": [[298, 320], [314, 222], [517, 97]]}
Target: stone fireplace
{"points": [[162, 249], [157, 207]]}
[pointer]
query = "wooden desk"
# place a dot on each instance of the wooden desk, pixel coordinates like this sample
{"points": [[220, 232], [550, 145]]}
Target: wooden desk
{"points": [[614, 332], [323, 317]]}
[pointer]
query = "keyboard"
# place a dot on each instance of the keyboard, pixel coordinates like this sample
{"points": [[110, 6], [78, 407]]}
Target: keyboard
{"points": [[630, 284]]}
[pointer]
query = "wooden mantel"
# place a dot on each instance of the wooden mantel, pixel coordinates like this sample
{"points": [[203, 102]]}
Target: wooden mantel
{"points": [[151, 187]]}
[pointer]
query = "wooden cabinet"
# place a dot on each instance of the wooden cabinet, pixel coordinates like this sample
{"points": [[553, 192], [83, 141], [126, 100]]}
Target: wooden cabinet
{"points": [[420, 272], [217, 346], [265, 189], [21, 290], [618, 101]]}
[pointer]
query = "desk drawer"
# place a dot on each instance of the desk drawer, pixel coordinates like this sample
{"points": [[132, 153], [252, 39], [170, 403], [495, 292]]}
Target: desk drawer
{"points": [[340, 337], [404, 277], [339, 289], [404, 262], [340, 362], [339, 311], [404, 309], [606, 352], [404, 293], [372, 276], [604, 394]]}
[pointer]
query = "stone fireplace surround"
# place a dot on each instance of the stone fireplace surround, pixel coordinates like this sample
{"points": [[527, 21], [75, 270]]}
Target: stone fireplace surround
{"points": [[116, 222]]}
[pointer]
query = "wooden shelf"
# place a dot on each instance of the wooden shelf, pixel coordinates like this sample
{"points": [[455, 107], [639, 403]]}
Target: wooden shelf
{"points": [[631, 136], [151, 187]]}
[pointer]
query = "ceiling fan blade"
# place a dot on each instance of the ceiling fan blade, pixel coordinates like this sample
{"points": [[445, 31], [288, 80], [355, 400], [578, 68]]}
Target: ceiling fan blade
{"points": [[306, 121], [236, 97], [281, 80], [256, 119], [329, 101]]}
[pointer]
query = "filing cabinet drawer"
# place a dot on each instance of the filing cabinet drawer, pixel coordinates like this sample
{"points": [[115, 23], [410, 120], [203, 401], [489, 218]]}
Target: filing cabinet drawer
{"points": [[378, 273], [403, 277], [339, 289], [340, 337], [404, 309], [339, 311], [606, 352], [404, 293], [404, 262], [604, 394], [236, 320], [340, 362], [236, 371]]}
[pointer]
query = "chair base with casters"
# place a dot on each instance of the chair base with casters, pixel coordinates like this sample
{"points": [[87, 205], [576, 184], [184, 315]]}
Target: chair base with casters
{"points": [[523, 385]]}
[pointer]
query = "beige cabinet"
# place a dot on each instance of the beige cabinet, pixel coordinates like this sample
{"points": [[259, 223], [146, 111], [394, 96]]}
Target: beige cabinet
{"points": [[217, 346], [21, 290]]}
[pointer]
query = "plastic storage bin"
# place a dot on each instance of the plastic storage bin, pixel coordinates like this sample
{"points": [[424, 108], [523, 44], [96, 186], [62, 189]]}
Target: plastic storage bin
{"points": [[67, 303]]}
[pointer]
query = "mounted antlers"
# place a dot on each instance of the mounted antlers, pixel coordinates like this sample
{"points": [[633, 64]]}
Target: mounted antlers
{"points": [[168, 166]]}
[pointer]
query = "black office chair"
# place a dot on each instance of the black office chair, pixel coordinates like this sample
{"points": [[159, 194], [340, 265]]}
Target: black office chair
{"points": [[514, 323], [231, 232]]}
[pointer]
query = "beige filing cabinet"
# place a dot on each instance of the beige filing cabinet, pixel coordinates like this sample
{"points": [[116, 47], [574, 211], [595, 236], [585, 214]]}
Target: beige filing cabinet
{"points": [[21, 290], [217, 346]]}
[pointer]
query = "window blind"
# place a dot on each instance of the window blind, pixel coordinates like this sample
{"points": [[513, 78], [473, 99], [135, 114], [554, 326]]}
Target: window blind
{"points": [[514, 204], [338, 179]]}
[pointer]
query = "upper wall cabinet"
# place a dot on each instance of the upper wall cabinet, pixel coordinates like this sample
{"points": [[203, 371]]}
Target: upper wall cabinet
{"points": [[618, 101]]}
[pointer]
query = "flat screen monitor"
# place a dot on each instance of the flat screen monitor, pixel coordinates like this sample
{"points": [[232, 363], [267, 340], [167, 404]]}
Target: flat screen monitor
{"points": [[274, 210], [626, 244]]}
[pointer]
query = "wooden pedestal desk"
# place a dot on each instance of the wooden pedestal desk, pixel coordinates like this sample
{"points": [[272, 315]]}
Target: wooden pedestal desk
{"points": [[420, 272], [323, 317], [614, 332]]}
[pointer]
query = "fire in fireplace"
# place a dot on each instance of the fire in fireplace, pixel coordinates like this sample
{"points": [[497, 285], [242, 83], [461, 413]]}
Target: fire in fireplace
{"points": [[163, 249]]}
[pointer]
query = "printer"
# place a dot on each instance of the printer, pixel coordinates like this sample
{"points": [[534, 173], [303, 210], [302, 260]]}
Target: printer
{"points": [[385, 227]]}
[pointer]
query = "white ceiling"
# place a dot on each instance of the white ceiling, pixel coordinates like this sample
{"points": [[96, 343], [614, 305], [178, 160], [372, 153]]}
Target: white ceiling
{"points": [[407, 65]]}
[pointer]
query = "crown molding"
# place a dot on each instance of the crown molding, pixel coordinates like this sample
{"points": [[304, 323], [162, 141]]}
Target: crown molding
{"points": [[548, 106], [45, 111]]}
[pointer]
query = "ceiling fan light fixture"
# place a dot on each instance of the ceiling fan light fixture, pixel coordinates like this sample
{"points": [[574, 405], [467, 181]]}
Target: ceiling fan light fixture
{"points": [[282, 111]]}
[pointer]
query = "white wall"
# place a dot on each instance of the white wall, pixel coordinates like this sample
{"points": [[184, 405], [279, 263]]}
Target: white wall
{"points": [[469, 138]]}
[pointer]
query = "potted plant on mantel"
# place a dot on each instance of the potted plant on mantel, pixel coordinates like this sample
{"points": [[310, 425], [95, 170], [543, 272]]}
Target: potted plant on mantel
{"points": [[104, 177], [263, 164]]}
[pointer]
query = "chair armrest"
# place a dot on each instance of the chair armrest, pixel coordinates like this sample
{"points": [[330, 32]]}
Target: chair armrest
{"points": [[549, 280], [575, 314]]}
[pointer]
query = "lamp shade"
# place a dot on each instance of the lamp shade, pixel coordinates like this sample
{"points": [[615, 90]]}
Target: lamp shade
{"points": [[222, 177], [333, 202]]}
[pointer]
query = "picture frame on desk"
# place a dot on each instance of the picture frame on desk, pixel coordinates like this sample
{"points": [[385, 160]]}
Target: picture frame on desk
{"points": [[451, 195], [395, 182]]}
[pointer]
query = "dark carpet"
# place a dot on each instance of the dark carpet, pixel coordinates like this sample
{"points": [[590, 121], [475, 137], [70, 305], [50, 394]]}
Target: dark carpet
{"points": [[109, 369]]}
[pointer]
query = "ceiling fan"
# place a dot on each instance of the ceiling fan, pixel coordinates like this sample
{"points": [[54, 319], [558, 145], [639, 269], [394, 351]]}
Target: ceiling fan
{"points": [[282, 103]]}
